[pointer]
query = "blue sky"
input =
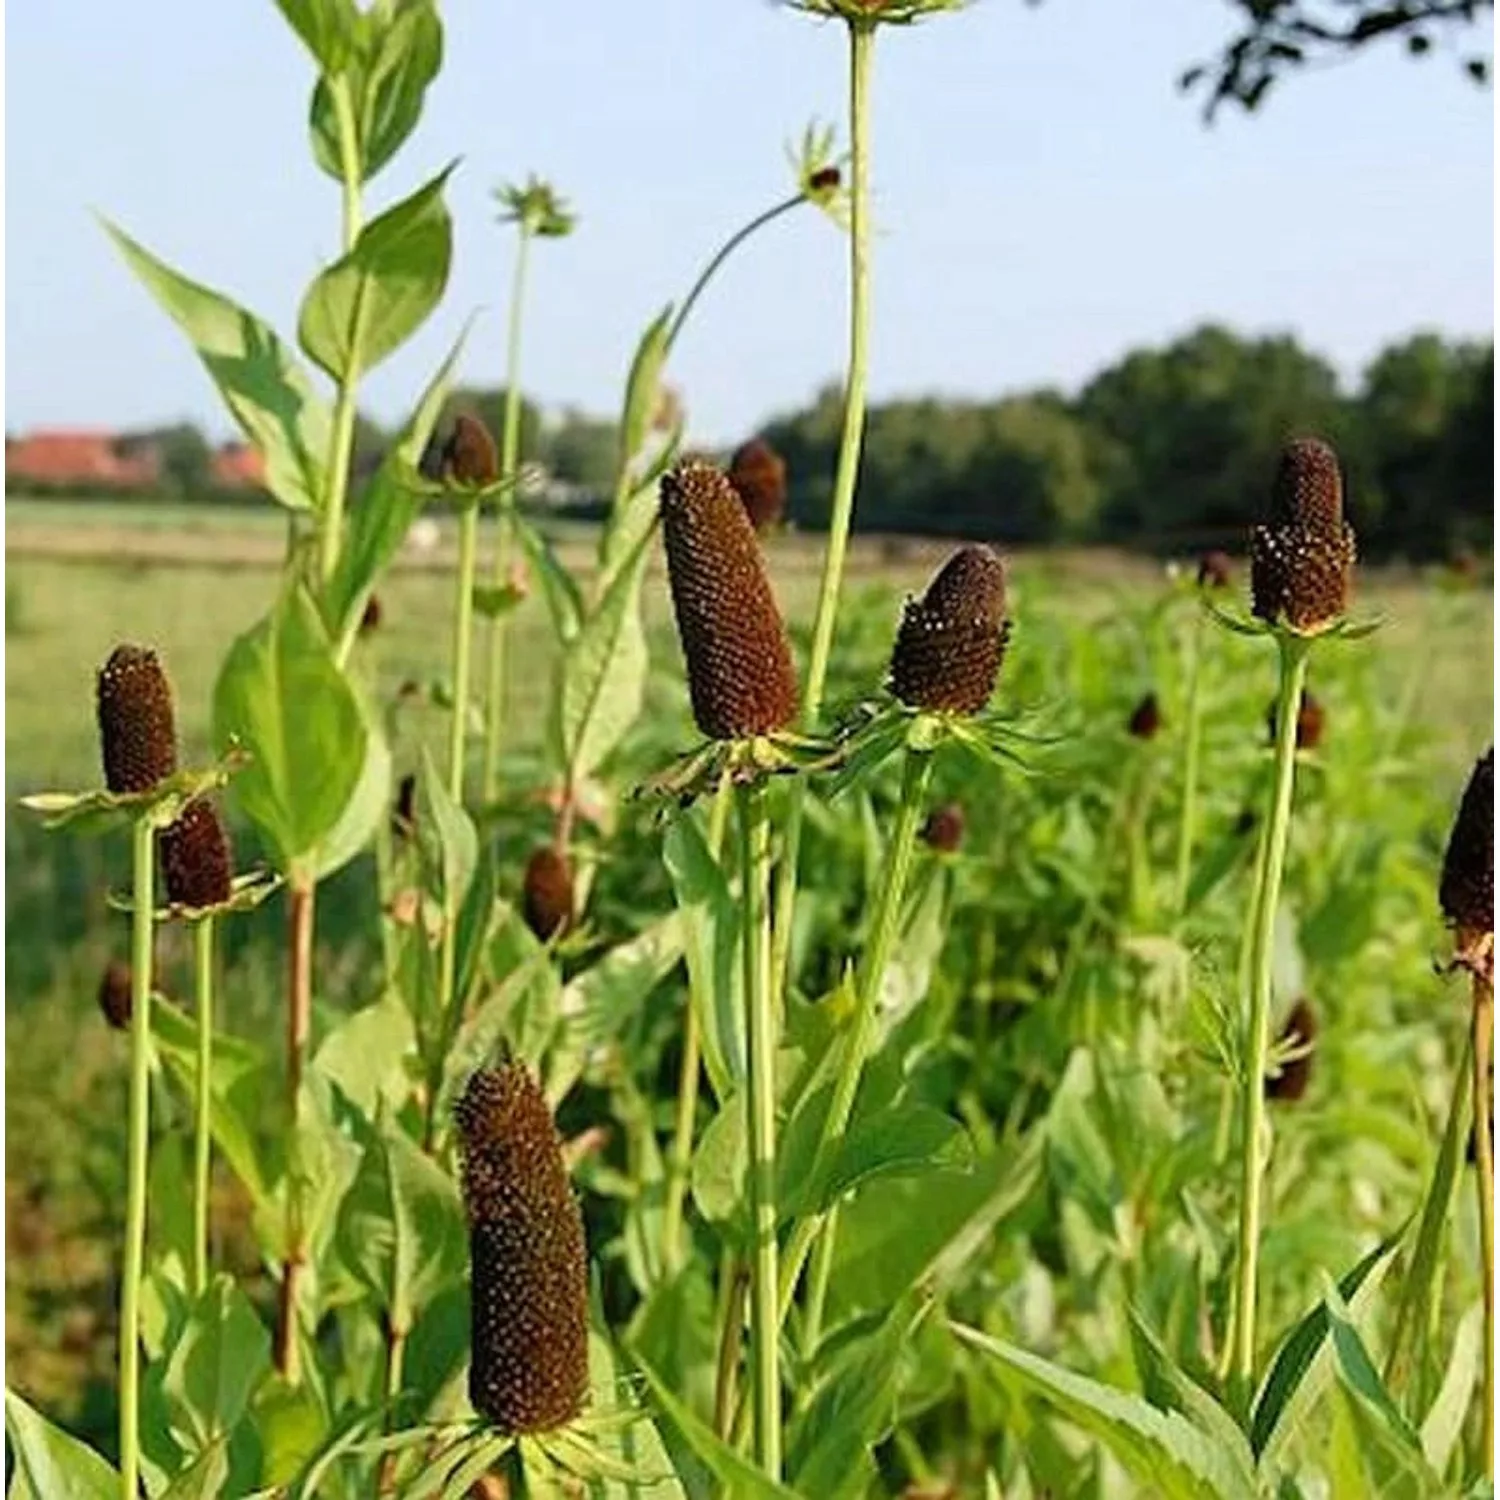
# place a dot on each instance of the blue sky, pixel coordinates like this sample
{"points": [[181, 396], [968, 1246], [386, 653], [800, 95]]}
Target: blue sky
{"points": [[1045, 199]]}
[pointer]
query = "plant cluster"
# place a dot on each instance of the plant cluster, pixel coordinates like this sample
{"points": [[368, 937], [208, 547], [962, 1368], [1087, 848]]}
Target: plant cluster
{"points": [[711, 1207]]}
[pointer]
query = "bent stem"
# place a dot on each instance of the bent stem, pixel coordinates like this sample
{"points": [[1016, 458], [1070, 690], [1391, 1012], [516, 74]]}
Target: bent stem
{"points": [[861, 52], [143, 902], [1191, 735], [299, 1014], [755, 862], [687, 1081], [1293, 672], [1484, 1177], [510, 454], [203, 962]]}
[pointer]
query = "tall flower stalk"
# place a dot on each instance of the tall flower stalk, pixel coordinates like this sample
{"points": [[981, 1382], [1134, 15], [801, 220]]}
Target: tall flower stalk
{"points": [[744, 694], [537, 213], [1466, 893], [1213, 574], [1301, 568], [203, 970]]}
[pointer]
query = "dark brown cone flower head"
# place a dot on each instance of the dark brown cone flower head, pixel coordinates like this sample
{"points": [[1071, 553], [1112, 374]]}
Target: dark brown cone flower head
{"points": [[739, 665], [1301, 1030], [136, 729], [944, 828], [1467, 889], [1215, 570], [1311, 720], [115, 1001], [952, 640], [759, 475], [370, 619], [469, 456], [529, 1356], [196, 861], [824, 179], [1302, 563], [547, 895], [1145, 718]]}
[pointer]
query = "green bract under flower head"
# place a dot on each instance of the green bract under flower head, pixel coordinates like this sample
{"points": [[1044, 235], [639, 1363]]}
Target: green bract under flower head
{"points": [[739, 664], [536, 207], [877, 12]]}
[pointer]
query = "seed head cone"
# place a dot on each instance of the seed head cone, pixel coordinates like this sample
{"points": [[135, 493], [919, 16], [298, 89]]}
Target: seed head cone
{"points": [[759, 475], [1302, 562], [952, 640], [469, 456], [528, 1367], [115, 1000], [944, 828], [196, 861], [1467, 889], [547, 896], [1145, 718], [1301, 1030], [136, 729], [371, 617], [739, 665]]}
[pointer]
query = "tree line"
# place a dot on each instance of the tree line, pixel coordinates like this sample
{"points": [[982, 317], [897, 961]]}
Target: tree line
{"points": [[1168, 448]]}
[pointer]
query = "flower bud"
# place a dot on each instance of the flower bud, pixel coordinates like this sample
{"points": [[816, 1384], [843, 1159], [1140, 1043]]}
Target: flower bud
{"points": [[1145, 718], [469, 456], [759, 475], [547, 894], [944, 829], [116, 1002], [1467, 888], [196, 861]]}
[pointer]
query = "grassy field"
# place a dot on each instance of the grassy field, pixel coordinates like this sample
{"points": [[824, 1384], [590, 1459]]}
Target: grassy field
{"points": [[81, 579]]}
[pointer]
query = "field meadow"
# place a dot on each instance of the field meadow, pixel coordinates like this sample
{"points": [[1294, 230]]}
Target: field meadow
{"points": [[1053, 964]]}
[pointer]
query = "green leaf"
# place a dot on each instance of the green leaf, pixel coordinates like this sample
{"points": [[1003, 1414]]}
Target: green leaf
{"points": [[1445, 1418], [370, 802], [740, 1477], [1160, 1449], [853, 1410], [401, 1225], [602, 680], [446, 836], [327, 28], [215, 1365], [381, 517], [902, 1140], [711, 946], [290, 1424], [642, 386], [239, 1086], [51, 1465], [368, 303], [281, 694], [205, 1478], [365, 1055], [721, 1161], [261, 383], [907, 1230], [1291, 1383], [491, 600], [398, 53], [564, 602]]}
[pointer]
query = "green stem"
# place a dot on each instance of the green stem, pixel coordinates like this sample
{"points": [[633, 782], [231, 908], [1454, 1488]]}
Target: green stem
{"points": [[734, 1280], [143, 896], [1294, 652], [203, 954], [755, 863], [680, 1157], [510, 456], [916, 775], [301, 898], [724, 252], [341, 436], [1484, 1180], [463, 629], [1191, 735], [846, 473]]}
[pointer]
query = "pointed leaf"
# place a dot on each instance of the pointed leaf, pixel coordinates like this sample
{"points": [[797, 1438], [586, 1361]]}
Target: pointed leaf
{"points": [[51, 1465], [215, 1365], [369, 302], [261, 383]]}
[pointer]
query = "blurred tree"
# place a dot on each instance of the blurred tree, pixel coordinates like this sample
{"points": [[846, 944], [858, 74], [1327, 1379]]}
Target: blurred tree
{"points": [[182, 451], [581, 450]]}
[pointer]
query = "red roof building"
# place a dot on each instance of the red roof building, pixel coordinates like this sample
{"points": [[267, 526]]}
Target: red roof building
{"points": [[78, 457], [237, 466]]}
